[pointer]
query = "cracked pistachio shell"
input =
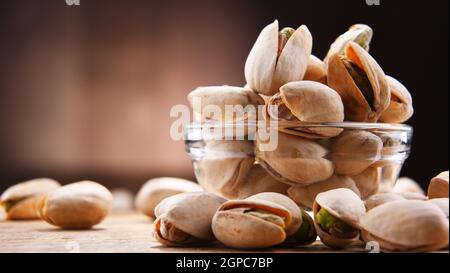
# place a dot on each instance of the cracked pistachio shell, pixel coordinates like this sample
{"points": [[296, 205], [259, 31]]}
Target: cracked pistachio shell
{"points": [[438, 187], [354, 151], [187, 215], [316, 70], [305, 195], [381, 198], [223, 97], [286, 202], [21, 200], [155, 190], [358, 33], [235, 227], [345, 205], [267, 69], [225, 166], [406, 184], [366, 94], [442, 203], [368, 181], [400, 107], [407, 225], [78, 205], [296, 160], [308, 101]]}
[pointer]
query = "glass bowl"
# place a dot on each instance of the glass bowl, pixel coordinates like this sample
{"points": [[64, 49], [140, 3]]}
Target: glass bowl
{"points": [[239, 159]]}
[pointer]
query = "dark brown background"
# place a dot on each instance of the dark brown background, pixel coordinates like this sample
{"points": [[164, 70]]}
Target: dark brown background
{"points": [[85, 92]]}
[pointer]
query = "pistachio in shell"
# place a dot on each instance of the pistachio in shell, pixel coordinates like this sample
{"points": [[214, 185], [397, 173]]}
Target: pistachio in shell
{"points": [[316, 70], [360, 82], [305, 195], [407, 225], [307, 101], [353, 151], [400, 107], [20, 201], [79, 205], [295, 160], [368, 181], [441, 203], [185, 218], [250, 224], [406, 184], [382, 198], [358, 33], [277, 57], [212, 103], [337, 214], [157, 189], [438, 187]]}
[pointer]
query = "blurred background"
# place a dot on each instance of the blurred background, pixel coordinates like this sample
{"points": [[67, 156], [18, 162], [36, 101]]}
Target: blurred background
{"points": [[85, 91]]}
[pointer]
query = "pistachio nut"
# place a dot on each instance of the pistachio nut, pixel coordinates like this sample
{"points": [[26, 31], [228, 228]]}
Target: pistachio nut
{"points": [[441, 203], [20, 201], [185, 218], [305, 195], [438, 186], [305, 235], [295, 160], [157, 189], [368, 181], [251, 223], [358, 33], [316, 70], [400, 107], [406, 184], [79, 205], [337, 214], [360, 82], [354, 151], [307, 101], [213, 103], [407, 225], [278, 57], [382, 198]]}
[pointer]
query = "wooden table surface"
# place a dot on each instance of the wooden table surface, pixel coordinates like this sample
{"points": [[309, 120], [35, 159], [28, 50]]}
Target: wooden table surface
{"points": [[125, 232]]}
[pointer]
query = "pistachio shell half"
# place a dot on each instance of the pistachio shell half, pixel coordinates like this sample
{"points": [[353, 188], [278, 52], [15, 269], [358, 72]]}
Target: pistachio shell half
{"points": [[185, 218], [155, 190], [78, 205], [21, 200], [407, 225], [316, 70], [360, 82], [400, 107], [438, 187], [277, 58], [368, 182]]}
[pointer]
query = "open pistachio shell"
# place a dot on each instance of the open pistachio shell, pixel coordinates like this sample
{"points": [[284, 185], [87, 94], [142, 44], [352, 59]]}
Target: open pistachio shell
{"points": [[185, 218], [21, 200], [344, 205], [316, 70], [442, 203], [277, 58], [381, 198], [354, 151], [406, 184], [359, 33], [78, 205], [305, 195], [438, 187], [251, 223], [204, 100], [308, 101], [360, 82], [368, 181], [407, 225], [296, 160], [400, 107], [283, 200], [155, 190]]}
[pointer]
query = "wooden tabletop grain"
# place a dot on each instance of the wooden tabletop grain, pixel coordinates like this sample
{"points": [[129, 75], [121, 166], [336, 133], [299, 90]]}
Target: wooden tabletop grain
{"points": [[120, 232]]}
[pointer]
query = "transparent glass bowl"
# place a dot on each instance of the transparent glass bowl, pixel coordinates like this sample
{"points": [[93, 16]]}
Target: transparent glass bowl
{"points": [[234, 159]]}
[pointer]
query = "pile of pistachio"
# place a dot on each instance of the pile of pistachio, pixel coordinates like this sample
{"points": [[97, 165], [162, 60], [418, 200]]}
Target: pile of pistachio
{"points": [[348, 85], [404, 219]]}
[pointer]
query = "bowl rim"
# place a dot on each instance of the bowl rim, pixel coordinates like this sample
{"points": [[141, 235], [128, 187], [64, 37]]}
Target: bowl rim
{"points": [[293, 124]]}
